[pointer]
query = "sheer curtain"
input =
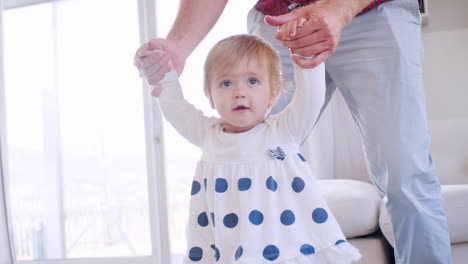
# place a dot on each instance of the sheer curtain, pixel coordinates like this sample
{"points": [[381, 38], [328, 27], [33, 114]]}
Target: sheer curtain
{"points": [[5, 253]]}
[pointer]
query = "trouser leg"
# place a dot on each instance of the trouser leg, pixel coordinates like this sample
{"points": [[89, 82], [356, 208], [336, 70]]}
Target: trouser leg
{"points": [[378, 69]]}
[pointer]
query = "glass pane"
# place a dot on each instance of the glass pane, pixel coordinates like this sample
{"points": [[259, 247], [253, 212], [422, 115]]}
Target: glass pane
{"points": [[181, 156], [75, 129]]}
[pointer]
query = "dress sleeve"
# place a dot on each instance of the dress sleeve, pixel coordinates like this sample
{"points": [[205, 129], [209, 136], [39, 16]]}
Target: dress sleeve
{"points": [[190, 122], [300, 115]]}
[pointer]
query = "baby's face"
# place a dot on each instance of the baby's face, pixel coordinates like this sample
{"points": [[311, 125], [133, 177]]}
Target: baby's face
{"points": [[241, 95]]}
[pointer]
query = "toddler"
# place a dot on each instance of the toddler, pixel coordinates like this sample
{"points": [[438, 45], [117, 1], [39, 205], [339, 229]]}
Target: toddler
{"points": [[253, 198]]}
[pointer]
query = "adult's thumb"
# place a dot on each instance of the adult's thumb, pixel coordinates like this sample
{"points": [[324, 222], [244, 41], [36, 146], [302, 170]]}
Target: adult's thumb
{"points": [[282, 19]]}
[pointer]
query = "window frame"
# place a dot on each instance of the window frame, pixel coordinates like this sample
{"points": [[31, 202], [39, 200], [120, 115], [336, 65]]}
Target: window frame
{"points": [[6, 239]]}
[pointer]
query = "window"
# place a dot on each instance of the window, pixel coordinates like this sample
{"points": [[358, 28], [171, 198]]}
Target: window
{"points": [[76, 133]]}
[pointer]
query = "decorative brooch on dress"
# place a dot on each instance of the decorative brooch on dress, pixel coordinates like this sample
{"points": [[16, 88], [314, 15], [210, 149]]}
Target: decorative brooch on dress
{"points": [[277, 153]]}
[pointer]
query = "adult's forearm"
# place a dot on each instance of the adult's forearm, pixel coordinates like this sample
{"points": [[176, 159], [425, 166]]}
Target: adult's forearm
{"points": [[194, 20], [349, 8]]}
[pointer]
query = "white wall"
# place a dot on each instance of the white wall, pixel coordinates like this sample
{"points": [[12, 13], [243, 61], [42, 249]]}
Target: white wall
{"points": [[445, 39]]}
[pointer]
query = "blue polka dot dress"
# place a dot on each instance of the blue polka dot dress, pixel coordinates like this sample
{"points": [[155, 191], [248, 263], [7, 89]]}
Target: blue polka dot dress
{"points": [[254, 198]]}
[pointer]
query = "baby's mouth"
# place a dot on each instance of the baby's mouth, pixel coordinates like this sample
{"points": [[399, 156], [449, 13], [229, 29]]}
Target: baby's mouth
{"points": [[241, 107]]}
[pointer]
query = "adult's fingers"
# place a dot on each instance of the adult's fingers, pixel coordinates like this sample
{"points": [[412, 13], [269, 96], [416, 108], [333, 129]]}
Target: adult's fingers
{"points": [[283, 19], [156, 77], [313, 50], [151, 57], [150, 46], [153, 64], [307, 40]]}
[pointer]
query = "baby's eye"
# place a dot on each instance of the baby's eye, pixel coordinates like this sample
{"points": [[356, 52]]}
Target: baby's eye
{"points": [[253, 81], [226, 84]]}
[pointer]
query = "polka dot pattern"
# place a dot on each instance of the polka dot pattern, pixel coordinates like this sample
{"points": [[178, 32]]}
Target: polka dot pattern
{"points": [[239, 252], [339, 242], [319, 215], [195, 254], [301, 157], [244, 184], [256, 217], [298, 184], [213, 218], [271, 252], [271, 184], [221, 185], [203, 219], [307, 249], [287, 217], [195, 187], [230, 220], [217, 254]]}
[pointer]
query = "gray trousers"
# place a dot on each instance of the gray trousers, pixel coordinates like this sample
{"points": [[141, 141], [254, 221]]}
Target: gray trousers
{"points": [[377, 67]]}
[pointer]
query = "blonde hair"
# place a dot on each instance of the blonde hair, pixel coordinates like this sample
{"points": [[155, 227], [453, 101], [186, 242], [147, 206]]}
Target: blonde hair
{"points": [[229, 51]]}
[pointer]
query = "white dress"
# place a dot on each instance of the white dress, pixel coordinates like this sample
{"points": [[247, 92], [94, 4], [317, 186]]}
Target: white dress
{"points": [[254, 199]]}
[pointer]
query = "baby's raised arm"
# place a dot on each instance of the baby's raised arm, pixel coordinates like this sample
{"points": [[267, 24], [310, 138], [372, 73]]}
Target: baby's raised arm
{"points": [[156, 69], [301, 114]]}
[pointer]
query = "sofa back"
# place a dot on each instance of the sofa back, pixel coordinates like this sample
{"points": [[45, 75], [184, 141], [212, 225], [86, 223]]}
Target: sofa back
{"points": [[449, 149]]}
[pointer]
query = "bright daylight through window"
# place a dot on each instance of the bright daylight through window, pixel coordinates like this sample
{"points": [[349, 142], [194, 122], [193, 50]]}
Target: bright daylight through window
{"points": [[75, 129]]}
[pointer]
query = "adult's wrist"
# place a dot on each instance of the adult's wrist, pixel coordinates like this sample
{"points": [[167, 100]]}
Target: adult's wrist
{"points": [[348, 8]]}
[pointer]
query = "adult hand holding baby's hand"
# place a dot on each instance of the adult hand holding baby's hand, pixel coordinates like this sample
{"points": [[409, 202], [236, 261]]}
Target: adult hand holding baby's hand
{"points": [[318, 36], [154, 59]]}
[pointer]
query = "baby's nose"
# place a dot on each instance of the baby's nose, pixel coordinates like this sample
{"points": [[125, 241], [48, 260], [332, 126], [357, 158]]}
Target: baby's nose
{"points": [[239, 91]]}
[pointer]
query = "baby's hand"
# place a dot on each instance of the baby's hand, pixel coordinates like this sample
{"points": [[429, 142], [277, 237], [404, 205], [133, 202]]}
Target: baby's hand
{"points": [[152, 66], [288, 30]]}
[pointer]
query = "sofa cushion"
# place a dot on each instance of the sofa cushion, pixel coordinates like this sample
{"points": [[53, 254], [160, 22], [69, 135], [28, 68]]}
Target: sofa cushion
{"points": [[355, 205], [455, 206]]}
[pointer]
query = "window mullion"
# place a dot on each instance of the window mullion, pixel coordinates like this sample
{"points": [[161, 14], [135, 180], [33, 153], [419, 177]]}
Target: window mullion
{"points": [[54, 233], [155, 149]]}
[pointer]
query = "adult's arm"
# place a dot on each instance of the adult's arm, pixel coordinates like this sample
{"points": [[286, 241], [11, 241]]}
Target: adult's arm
{"points": [[193, 22], [320, 35]]}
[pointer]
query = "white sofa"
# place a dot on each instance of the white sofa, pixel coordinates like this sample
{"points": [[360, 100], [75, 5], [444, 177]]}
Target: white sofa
{"points": [[360, 207]]}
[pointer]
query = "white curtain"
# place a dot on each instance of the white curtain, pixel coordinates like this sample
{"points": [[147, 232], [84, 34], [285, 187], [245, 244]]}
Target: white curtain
{"points": [[5, 253], [334, 147]]}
